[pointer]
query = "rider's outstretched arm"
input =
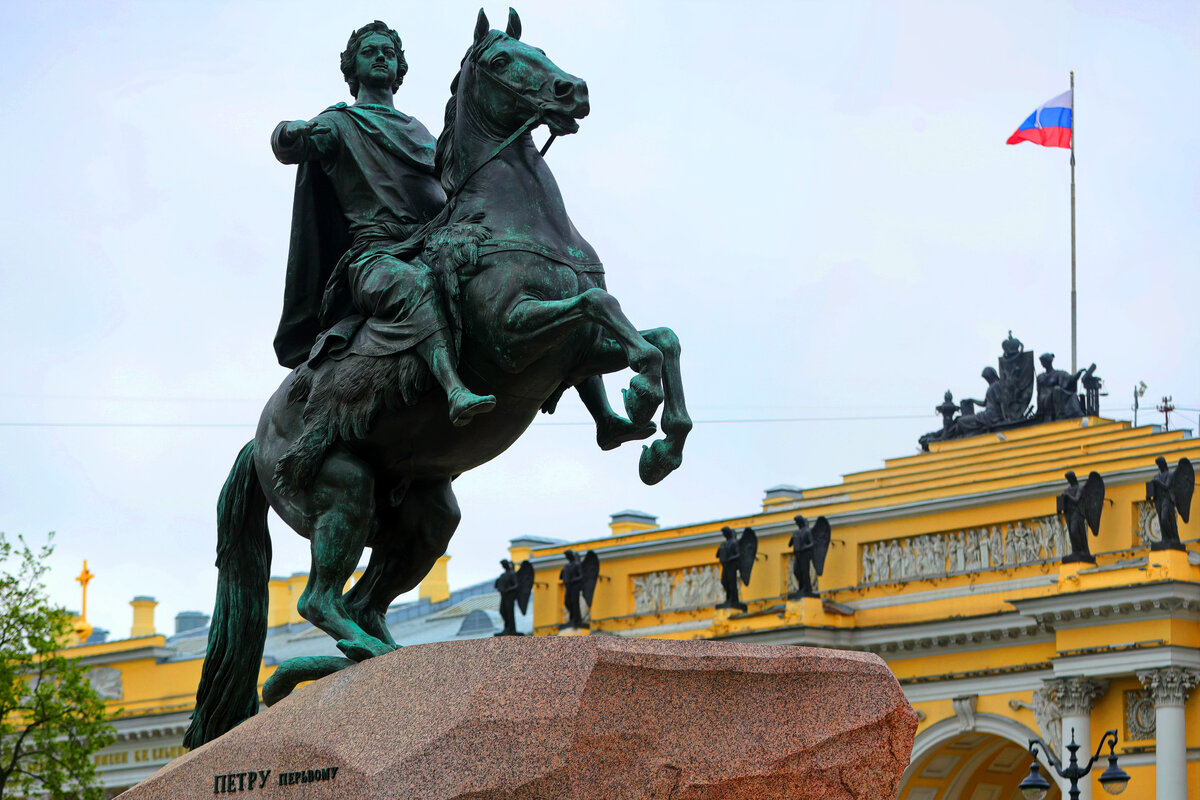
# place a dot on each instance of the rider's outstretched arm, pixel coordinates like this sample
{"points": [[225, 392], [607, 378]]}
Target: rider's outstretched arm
{"points": [[303, 140]]}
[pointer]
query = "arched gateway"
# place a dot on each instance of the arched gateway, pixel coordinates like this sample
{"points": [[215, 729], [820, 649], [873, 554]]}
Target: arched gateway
{"points": [[983, 763]]}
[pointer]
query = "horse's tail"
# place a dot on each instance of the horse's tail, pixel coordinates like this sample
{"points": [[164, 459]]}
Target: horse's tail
{"points": [[228, 692]]}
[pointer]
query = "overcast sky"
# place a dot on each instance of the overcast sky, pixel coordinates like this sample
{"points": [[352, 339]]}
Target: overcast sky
{"points": [[816, 197]]}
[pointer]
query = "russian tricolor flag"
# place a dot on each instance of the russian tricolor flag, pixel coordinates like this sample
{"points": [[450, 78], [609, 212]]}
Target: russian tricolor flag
{"points": [[1049, 126]]}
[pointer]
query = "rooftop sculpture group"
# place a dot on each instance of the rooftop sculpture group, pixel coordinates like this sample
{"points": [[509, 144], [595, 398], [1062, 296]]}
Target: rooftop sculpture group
{"points": [[1006, 404], [437, 297]]}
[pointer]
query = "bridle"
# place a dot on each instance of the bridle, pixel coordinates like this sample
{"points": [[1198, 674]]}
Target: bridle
{"points": [[539, 114]]}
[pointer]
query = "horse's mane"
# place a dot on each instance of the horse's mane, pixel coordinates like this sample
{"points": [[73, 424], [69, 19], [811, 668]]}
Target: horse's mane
{"points": [[444, 161]]}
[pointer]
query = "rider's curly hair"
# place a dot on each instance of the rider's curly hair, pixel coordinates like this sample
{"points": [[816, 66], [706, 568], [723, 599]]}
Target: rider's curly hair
{"points": [[351, 51]]}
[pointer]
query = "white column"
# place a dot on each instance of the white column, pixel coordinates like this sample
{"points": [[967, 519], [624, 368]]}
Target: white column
{"points": [[1075, 698], [1169, 689]]}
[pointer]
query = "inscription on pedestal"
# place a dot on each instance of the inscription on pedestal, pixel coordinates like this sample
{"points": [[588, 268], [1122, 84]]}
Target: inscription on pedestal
{"points": [[257, 779]]}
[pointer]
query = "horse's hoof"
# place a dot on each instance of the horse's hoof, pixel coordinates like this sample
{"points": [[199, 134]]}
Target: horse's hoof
{"points": [[642, 399], [362, 650], [657, 462], [619, 431]]}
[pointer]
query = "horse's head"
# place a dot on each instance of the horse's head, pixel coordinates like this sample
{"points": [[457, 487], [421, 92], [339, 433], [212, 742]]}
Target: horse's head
{"points": [[506, 82]]}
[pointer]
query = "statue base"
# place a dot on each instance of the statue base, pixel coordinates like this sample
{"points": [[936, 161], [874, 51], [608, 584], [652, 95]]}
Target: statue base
{"points": [[803, 610], [570, 631], [1168, 545], [733, 607], [1078, 558], [543, 718]]}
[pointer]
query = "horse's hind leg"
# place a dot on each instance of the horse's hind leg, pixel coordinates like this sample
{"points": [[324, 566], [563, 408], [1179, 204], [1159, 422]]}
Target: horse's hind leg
{"points": [[409, 541], [344, 505], [545, 323]]}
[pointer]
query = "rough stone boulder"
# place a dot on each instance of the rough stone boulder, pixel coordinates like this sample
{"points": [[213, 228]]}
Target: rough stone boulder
{"points": [[578, 718]]}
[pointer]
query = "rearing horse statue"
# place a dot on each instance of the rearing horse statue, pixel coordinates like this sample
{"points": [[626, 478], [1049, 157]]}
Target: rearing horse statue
{"points": [[534, 318]]}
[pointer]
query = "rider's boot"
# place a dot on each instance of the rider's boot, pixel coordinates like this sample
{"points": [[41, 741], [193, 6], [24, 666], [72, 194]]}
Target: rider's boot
{"points": [[464, 404]]}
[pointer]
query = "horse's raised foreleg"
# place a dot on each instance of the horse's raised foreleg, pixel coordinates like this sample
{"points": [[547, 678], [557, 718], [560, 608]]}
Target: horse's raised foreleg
{"points": [[546, 323], [662, 456], [410, 539], [343, 500]]}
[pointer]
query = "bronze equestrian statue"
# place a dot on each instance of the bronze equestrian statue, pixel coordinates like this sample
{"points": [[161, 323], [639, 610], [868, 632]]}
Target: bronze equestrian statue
{"points": [[357, 448]]}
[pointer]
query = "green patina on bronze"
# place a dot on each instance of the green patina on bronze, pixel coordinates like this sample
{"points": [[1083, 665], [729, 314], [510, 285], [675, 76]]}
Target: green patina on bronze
{"points": [[425, 281]]}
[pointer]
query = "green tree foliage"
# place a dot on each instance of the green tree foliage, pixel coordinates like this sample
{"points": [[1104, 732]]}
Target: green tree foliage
{"points": [[51, 719]]}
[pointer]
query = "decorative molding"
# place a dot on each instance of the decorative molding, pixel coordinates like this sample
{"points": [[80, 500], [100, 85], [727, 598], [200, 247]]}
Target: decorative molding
{"points": [[1140, 721], [970, 590], [107, 682], [676, 590], [1003, 684], [1126, 662], [1075, 697], [1175, 599], [1046, 714], [1169, 686], [1148, 529], [964, 709], [789, 574], [936, 555]]}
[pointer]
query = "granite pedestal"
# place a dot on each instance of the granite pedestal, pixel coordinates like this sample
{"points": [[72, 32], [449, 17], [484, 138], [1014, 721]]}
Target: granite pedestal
{"points": [[576, 718]]}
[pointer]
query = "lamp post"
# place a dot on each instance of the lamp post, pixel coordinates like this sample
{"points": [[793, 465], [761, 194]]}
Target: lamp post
{"points": [[1114, 779]]}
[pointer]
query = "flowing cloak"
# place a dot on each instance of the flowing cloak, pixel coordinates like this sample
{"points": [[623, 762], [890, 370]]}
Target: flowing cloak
{"points": [[372, 150]]}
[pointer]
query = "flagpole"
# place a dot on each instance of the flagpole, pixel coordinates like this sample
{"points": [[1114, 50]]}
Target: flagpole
{"points": [[1074, 365]]}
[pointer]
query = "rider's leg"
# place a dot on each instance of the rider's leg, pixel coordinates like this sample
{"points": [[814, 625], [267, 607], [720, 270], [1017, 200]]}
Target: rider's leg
{"points": [[464, 404], [404, 312], [612, 430], [344, 494]]}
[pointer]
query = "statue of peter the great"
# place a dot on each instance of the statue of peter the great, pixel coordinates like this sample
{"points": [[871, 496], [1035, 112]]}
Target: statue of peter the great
{"points": [[366, 183]]}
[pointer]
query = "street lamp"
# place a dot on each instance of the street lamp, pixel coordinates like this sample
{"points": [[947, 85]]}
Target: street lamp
{"points": [[1114, 779]]}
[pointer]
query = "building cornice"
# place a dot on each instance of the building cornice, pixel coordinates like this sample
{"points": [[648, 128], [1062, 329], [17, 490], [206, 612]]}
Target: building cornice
{"points": [[1176, 599], [1125, 662], [119, 656], [933, 637]]}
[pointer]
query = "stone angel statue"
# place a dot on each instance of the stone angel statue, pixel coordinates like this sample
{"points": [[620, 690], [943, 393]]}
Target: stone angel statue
{"points": [[515, 586], [1171, 491], [579, 578], [1081, 507], [736, 555], [810, 544]]}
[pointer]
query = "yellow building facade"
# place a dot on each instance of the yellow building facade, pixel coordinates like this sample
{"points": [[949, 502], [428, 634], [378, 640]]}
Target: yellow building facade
{"points": [[948, 564]]}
